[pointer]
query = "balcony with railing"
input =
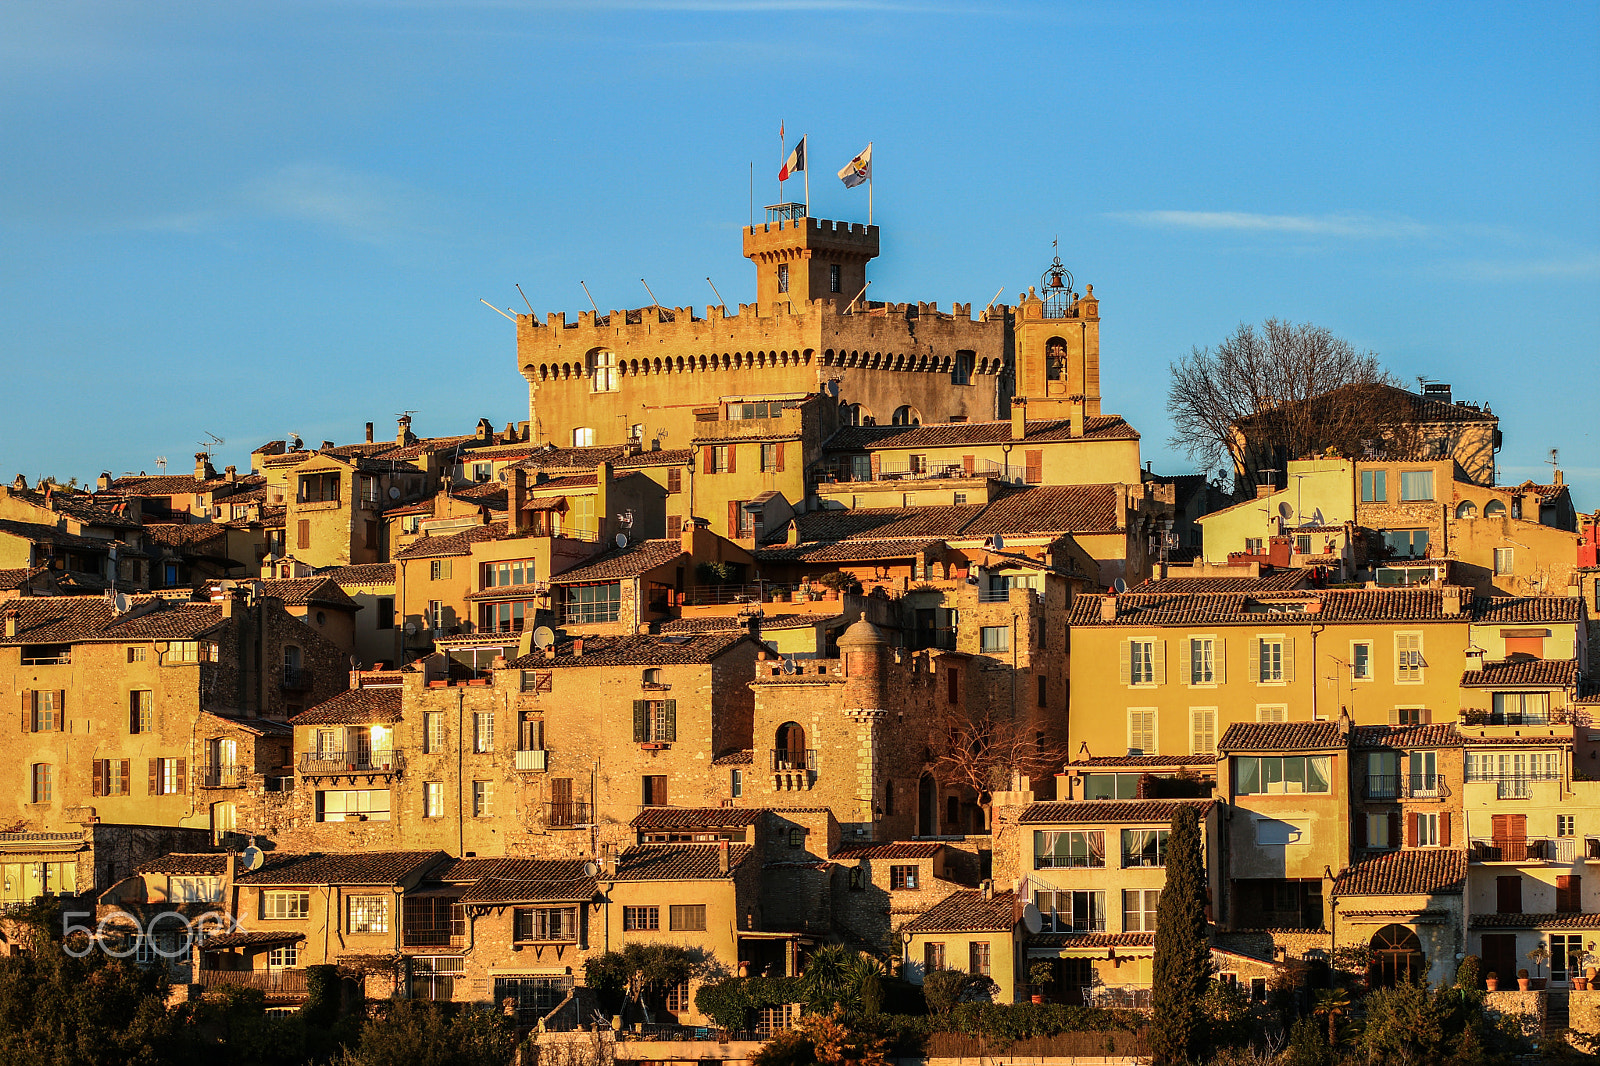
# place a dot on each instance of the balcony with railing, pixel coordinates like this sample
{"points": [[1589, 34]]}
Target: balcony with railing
{"points": [[569, 815], [1406, 786], [1561, 850], [214, 775], [846, 472], [280, 982], [793, 770], [359, 761], [1066, 923], [296, 679]]}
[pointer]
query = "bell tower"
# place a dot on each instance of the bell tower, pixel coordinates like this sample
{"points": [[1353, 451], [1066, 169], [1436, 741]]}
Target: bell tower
{"points": [[1058, 349], [799, 259]]}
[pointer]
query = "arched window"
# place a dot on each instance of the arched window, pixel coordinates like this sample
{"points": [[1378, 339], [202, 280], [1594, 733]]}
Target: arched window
{"points": [[602, 370], [1055, 359], [1467, 509], [224, 819], [1494, 509], [906, 415], [1396, 957], [789, 748]]}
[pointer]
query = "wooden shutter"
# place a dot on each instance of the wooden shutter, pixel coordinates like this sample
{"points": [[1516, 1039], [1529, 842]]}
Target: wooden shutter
{"points": [[127, 780], [561, 791], [641, 722], [674, 525], [1125, 661], [733, 519], [1394, 829], [779, 466], [672, 721], [155, 777], [968, 464], [1569, 894], [1033, 471], [27, 712], [1444, 829], [61, 710], [1158, 658], [708, 459], [1220, 658], [1288, 659], [1411, 829], [372, 534], [183, 776], [1253, 656], [674, 480], [98, 785], [304, 533], [733, 459], [1358, 829], [1508, 894]]}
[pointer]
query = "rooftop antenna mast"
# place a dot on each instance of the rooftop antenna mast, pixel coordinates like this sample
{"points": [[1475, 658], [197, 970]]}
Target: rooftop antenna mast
{"points": [[495, 309], [713, 285], [161, 463], [591, 299], [524, 298], [211, 441], [646, 285]]}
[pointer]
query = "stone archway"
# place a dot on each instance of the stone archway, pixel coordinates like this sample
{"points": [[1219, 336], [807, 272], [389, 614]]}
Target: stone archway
{"points": [[1397, 958]]}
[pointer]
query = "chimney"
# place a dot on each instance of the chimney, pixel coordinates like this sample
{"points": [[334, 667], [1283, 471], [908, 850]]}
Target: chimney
{"points": [[1560, 477], [230, 872], [1075, 417], [369, 432], [987, 889], [1108, 608], [103, 482], [11, 624], [1452, 596], [750, 622], [577, 647], [485, 430], [722, 858], [327, 445], [231, 473], [203, 470], [519, 498], [403, 435], [1019, 417]]}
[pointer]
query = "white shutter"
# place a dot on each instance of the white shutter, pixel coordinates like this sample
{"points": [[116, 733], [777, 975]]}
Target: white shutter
{"points": [[1220, 658], [1288, 659], [1203, 730], [1158, 656], [1125, 661], [1253, 648]]}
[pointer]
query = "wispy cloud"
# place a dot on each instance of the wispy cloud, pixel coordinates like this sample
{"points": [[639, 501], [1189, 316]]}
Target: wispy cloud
{"points": [[1349, 225], [1580, 267], [364, 207]]}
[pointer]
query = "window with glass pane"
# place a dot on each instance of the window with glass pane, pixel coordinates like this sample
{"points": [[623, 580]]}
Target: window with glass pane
{"points": [[1056, 849], [1361, 662], [1271, 652], [1521, 708], [1416, 485], [932, 956], [1279, 775], [1374, 486], [284, 958], [1071, 911], [1144, 847], [1141, 662], [592, 603], [978, 957], [994, 639], [1139, 909], [689, 916], [368, 914], [1110, 786], [547, 924], [1202, 661], [641, 919], [285, 904], [1406, 543]]}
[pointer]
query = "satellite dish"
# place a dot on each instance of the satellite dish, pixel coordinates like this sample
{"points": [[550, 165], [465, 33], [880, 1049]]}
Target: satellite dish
{"points": [[411, 629], [999, 542], [121, 602], [1032, 921], [252, 857], [1120, 585], [1317, 519], [1285, 510], [622, 540], [591, 868], [788, 666], [543, 637], [394, 492]]}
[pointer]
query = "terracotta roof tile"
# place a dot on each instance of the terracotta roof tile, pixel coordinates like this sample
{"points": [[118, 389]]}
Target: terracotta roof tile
{"points": [[619, 563], [1337, 605], [1536, 921], [348, 868], [854, 549], [17, 577], [1146, 760], [455, 543], [78, 505], [361, 574], [1050, 509], [357, 706], [208, 863], [424, 446], [714, 622], [967, 911], [883, 523], [678, 862], [895, 849], [530, 880], [38, 533], [465, 869], [1529, 609], [695, 818], [735, 758], [73, 619], [949, 434], [1093, 940], [1420, 871], [1435, 735], [250, 938], [1278, 581], [1152, 812], [1281, 736], [309, 591], [1552, 673], [633, 650], [261, 727]]}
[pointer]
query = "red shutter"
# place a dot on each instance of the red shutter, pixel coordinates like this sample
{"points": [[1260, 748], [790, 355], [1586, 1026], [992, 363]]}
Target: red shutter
{"points": [[97, 786], [779, 466], [733, 519], [1569, 894], [733, 459], [1444, 829], [1411, 830], [708, 459]]}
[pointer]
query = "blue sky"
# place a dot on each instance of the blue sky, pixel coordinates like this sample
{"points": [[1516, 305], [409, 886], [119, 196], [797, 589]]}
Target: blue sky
{"points": [[246, 219]]}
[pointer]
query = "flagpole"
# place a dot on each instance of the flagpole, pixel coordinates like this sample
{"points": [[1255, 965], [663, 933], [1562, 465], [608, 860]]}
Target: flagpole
{"points": [[783, 156], [807, 173], [869, 189]]}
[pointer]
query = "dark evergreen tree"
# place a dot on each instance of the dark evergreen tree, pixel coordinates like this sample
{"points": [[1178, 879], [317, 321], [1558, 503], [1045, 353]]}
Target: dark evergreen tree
{"points": [[1182, 970]]}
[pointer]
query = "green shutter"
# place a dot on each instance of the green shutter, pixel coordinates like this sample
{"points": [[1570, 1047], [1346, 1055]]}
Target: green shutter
{"points": [[672, 721], [641, 722]]}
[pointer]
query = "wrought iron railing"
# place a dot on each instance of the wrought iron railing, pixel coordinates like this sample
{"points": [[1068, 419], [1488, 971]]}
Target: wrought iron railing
{"points": [[265, 980], [221, 776], [360, 761], [1406, 786], [296, 678], [790, 759], [568, 815]]}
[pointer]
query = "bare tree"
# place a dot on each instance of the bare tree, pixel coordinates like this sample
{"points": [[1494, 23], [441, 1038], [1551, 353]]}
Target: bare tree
{"points": [[1283, 391], [987, 749]]}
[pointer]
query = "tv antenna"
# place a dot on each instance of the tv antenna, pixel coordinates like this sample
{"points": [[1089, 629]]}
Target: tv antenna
{"points": [[211, 441], [1555, 459], [161, 463]]}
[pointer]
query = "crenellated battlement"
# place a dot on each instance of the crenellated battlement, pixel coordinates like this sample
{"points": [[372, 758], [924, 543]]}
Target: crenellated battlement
{"points": [[822, 228]]}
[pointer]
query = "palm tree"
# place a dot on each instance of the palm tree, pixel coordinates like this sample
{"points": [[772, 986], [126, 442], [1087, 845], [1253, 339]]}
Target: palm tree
{"points": [[1332, 1004]]}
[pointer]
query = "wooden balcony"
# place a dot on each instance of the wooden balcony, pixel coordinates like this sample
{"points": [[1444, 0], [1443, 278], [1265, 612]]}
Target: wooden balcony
{"points": [[273, 982]]}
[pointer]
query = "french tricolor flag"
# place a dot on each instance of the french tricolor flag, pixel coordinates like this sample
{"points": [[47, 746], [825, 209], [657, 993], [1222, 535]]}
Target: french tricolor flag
{"points": [[796, 163]]}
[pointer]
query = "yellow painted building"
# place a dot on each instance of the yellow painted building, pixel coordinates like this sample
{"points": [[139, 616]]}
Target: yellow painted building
{"points": [[977, 931]]}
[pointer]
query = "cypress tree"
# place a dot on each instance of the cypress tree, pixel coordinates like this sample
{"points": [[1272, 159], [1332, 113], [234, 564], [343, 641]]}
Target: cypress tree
{"points": [[1182, 970]]}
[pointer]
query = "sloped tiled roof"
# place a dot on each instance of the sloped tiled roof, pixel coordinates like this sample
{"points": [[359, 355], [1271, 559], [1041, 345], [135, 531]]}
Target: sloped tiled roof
{"points": [[1050, 509], [637, 558], [1093, 940], [17, 577], [1337, 605], [79, 505], [883, 523], [457, 543], [261, 727], [251, 938], [464, 869], [894, 849], [208, 863], [1549, 673], [1529, 609], [1536, 921], [967, 912], [632, 650], [362, 574], [70, 619], [309, 591], [854, 549], [1157, 811], [347, 868], [746, 757], [678, 862], [1419, 871], [528, 880], [1146, 760], [694, 818], [1277, 581], [357, 706], [1433, 735], [1281, 736], [37, 533], [954, 434]]}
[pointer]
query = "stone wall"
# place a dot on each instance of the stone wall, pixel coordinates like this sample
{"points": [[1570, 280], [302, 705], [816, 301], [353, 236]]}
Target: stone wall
{"points": [[1528, 1008], [1583, 1011]]}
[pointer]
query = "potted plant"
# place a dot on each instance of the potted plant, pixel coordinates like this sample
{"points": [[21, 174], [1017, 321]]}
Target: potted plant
{"points": [[1539, 955], [1589, 958], [1575, 961], [1042, 975], [1522, 980], [1491, 981]]}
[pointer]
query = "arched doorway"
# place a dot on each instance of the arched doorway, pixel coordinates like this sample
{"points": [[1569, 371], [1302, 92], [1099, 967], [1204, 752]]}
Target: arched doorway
{"points": [[907, 415], [789, 747], [927, 807], [1396, 958]]}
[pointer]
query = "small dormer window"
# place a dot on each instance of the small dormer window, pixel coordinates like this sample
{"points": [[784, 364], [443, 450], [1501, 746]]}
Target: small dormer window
{"points": [[652, 676]]}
